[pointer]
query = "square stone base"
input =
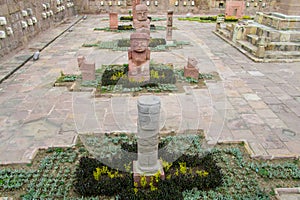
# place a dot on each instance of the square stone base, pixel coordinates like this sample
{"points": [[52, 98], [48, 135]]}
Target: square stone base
{"points": [[191, 72], [137, 174]]}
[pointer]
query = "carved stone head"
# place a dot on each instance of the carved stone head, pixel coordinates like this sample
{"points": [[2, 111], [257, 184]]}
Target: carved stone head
{"points": [[141, 12], [192, 62], [139, 42]]}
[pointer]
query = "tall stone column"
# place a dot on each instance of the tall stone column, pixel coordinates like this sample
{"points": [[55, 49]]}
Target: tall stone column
{"points": [[169, 25], [134, 4], [148, 163], [148, 129]]}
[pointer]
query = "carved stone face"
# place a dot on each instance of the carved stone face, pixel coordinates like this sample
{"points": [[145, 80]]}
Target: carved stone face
{"points": [[139, 45], [141, 12], [192, 62]]}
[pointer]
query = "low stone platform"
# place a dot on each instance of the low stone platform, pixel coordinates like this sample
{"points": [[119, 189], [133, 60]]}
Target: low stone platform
{"points": [[271, 37]]}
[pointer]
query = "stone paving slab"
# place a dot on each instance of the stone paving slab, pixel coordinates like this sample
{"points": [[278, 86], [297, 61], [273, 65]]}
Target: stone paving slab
{"points": [[253, 102]]}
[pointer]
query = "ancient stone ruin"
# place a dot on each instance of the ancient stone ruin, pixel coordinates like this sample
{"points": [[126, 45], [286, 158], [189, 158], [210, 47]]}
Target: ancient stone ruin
{"points": [[139, 57], [141, 23], [191, 69], [87, 69], [134, 4], [148, 163], [235, 8], [139, 52], [169, 25], [113, 21], [270, 37]]}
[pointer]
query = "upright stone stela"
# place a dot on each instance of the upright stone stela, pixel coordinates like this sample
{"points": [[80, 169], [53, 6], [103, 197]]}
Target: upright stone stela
{"points": [[169, 25], [134, 4], [139, 57], [113, 21], [191, 69], [148, 130], [139, 52], [141, 22]]}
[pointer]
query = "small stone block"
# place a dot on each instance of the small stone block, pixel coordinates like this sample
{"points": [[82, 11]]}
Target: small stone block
{"points": [[88, 71], [191, 72]]}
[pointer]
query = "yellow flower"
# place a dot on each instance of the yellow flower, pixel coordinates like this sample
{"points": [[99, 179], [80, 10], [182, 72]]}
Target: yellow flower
{"points": [[202, 173]]}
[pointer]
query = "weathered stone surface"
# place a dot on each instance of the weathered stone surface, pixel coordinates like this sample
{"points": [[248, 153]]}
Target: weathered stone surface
{"points": [[169, 25], [235, 8], [141, 22], [87, 71], [148, 129], [80, 60], [134, 4], [139, 57], [113, 21], [191, 69], [21, 37], [290, 7]]}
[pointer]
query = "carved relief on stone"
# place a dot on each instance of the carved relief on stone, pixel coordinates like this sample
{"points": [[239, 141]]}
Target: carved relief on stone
{"points": [[139, 57], [191, 69], [141, 22]]}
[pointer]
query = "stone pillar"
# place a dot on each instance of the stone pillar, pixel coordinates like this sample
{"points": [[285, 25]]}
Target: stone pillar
{"points": [[260, 52], [219, 21], [169, 25], [141, 23], [113, 21], [134, 4], [148, 130]]}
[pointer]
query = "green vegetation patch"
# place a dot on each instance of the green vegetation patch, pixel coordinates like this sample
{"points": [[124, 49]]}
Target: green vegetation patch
{"points": [[210, 19], [114, 78], [155, 44], [66, 78]]}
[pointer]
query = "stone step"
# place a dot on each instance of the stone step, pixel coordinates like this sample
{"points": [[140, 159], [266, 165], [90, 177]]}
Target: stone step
{"points": [[247, 46], [279, 22], [283, 46], [282, 55], [276, 35], [253, 39], [225, 33]]}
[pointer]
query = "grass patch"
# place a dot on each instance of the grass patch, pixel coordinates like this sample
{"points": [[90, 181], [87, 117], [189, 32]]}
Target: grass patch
{"points": [[155, 44], [63, 78], [209, 19]]}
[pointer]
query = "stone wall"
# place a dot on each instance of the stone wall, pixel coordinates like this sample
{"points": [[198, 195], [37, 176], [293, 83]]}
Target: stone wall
{"points": [[154, 6], [290, 7], [21, 21], [178, 6], [251, 6]]}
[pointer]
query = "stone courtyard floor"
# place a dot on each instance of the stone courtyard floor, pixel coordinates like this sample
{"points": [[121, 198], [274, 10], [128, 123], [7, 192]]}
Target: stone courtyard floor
{"points": [[254, 102]]}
